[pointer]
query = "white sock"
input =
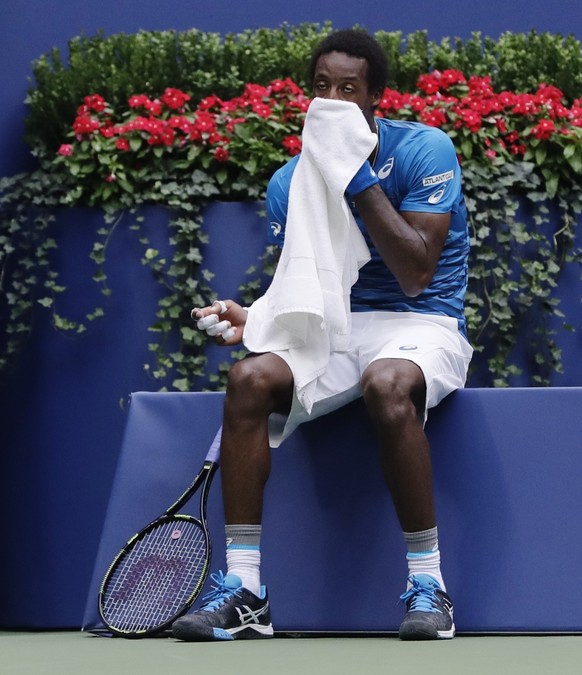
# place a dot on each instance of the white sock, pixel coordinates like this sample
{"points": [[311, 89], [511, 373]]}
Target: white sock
{"points": [[426, 562], [245, 562]]}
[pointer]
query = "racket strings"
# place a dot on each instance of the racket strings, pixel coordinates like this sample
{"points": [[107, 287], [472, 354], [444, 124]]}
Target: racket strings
{"points": [[157, 577]]}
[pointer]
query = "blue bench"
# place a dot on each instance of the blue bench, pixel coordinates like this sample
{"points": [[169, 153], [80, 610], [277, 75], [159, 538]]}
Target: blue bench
{"points": [[508, 468]]}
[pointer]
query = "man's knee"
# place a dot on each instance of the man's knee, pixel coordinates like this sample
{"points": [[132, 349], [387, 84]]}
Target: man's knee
{"points": [[259, 381], [248, 375], [393, 390]]}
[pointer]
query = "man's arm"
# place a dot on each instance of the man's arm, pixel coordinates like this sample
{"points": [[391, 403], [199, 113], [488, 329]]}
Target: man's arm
{"points": [[410, 243]]}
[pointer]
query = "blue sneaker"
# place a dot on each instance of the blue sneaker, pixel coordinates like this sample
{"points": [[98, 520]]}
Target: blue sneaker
{"points": [[429, 614], [231, 612]]}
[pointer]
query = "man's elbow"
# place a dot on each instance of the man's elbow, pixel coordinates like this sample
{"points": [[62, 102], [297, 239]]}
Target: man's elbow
{"points": [[412, 291], [416, 285]]}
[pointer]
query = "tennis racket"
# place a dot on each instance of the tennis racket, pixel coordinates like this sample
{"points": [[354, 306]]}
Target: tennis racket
{"points": [[161, 570]]}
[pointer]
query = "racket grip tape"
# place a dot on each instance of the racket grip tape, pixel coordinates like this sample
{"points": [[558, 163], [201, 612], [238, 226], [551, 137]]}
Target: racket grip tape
{"points": [[214, 450]]}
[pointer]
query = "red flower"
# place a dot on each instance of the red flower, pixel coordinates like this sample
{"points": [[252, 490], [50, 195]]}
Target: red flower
{"points": [[256, 92], [547, 92], [204, 122], [524, 105], [233, 105], [429, 83], [139, 100], [417, 103], [286, 86], [137, 124], [301, 103], [278, 86], [65, 150], [95, 102], [154, 126], [484, 106], [122, 144], [85, 125], [434, 118], [215, 138], [221, 154], [174, 98], [163, 135], [480, 86], [544, 129], [180, 122], [107, 131], [153, 107], [451, 77], [230, 125], [292, 144], [262, 110], [471, 120], [436, 81], [209, 102], [392, 100], [506, 99]]}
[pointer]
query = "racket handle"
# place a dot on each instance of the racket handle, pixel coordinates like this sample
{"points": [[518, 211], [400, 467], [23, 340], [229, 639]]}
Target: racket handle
{"points": [[214, 450]]}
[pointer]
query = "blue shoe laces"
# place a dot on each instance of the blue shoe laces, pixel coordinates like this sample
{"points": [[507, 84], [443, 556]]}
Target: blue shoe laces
{"points": [[221, 591], [421, 597]]}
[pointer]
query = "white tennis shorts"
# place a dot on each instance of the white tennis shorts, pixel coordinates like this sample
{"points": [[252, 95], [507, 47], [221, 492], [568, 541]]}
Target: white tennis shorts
{"points": [[433, 342]]}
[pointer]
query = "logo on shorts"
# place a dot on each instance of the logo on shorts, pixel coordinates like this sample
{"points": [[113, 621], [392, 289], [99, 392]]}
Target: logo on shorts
{"points": [[408, 348]]}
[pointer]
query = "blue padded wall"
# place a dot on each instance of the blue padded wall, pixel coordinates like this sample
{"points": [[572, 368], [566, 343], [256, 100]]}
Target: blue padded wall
{"points": [[507, 471]]}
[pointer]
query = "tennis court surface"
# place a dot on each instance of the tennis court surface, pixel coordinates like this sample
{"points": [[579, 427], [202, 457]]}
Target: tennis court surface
{"points": [[76, 653]]}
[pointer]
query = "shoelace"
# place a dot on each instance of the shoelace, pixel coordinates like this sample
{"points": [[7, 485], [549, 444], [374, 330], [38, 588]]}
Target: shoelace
{"points": [[219, 594], [420, 597]]}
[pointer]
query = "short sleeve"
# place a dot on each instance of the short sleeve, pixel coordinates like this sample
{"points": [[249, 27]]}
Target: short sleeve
{"points": [[432, 174], [277, 202]]}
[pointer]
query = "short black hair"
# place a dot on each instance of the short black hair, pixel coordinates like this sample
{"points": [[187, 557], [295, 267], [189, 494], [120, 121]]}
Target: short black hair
{"points": [[355, 42]]}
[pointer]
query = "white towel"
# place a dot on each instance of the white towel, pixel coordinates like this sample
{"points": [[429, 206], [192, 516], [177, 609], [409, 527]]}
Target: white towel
{"points": [[306, 309]]}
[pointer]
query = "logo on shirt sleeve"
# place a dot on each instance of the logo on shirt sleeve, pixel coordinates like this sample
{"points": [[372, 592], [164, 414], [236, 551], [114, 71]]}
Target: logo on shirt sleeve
{"points": [[438, 178], [386, 170], [276, 229], [437, 196]]}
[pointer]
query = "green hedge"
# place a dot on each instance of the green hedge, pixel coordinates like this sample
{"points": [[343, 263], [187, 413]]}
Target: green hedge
{"points": [[201, 63]]}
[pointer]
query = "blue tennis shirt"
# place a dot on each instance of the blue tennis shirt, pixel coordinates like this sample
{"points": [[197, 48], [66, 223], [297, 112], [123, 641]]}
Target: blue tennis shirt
{"points": [[418, 170]]}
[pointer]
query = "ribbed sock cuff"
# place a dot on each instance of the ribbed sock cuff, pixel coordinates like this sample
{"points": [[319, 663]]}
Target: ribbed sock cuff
{"points": [[423, 541], [247, 536]]}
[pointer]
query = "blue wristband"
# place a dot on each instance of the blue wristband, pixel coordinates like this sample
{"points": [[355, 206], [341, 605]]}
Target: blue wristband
{"points": [[364, 179]]}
